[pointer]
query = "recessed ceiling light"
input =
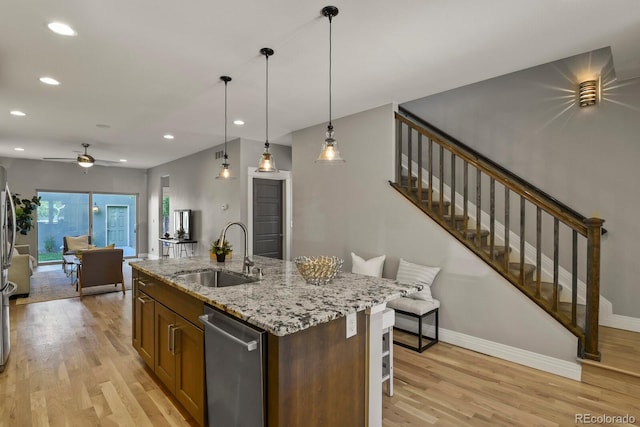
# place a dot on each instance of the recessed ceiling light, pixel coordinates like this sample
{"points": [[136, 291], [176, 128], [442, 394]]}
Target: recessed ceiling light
{"points": [[123, 160], [19, 149], [18, 113], [62, 29], [238, 122], [49, 81], [168, 136]]}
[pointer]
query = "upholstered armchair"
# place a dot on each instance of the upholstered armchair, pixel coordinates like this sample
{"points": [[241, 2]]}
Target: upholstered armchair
{"points": [[100, 267], [71, 245], [21, 269]]}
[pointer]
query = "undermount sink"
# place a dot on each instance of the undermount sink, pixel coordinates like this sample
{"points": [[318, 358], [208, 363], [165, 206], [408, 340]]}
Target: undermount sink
{"points": [[217, 278]]}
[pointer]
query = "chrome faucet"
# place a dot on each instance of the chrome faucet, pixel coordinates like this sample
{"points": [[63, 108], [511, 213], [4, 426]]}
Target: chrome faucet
{"points": [[248, 262]]}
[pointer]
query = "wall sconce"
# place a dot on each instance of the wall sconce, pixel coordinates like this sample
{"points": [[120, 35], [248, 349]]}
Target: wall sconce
{"points": [[588, 93], [96, 208]]}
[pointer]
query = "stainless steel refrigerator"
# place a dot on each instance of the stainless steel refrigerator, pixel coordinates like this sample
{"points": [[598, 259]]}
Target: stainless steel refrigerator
{"points": [[7, 242]]}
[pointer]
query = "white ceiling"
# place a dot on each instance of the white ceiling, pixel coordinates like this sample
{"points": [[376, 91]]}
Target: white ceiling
{"points": [[146, 68]]}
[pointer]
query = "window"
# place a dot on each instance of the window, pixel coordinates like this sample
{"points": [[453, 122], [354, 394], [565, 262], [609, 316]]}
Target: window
{"points": [[108, 218]]}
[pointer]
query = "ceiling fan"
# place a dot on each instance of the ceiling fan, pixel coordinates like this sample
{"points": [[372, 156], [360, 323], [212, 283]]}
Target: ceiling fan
{"points": [[84, 160]]}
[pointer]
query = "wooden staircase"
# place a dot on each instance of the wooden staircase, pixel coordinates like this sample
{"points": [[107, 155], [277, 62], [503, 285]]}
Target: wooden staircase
{"points": [[472, 198]]}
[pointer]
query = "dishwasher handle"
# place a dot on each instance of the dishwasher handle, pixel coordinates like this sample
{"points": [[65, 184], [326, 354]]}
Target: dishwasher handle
{"points": [[251, 345]]}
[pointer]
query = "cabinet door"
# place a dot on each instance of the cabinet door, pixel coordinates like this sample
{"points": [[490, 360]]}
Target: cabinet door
{"points": [[165, 361], [144, 325], [190, 381]]}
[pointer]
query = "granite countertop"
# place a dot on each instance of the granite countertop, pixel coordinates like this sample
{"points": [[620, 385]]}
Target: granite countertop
{"points": [[282, 302]]}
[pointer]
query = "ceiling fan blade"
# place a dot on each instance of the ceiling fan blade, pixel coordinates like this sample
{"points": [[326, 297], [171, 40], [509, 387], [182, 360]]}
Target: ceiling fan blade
{"points": [[59, 158]]}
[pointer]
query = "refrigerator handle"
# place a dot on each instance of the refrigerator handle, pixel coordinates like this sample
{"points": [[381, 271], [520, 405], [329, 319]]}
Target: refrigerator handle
{"points": [[9, 255]]}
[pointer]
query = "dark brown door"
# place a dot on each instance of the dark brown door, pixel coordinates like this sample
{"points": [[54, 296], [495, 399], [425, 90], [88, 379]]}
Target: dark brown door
{"points": [[267, 217]]}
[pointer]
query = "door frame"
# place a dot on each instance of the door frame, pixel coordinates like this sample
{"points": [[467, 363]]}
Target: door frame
{"points": [[287, 220]]}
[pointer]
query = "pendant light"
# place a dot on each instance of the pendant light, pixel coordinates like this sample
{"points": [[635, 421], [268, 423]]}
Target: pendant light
{"points": [[224, 170], [329, 153], [266, 162]]}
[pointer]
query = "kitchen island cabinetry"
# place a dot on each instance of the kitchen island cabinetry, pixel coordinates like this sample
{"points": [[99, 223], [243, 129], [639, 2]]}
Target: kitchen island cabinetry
{"points": [[171, 345], [323, 343]]}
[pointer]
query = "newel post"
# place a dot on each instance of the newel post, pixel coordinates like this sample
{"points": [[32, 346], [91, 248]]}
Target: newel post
{"points": [[594, 231]]}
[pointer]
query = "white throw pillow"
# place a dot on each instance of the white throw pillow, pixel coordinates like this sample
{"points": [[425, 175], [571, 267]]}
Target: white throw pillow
{"points": [[416, 274], [371, 267], [77, 243]]}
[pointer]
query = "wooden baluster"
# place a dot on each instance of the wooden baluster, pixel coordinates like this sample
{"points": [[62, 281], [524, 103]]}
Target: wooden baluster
{"points": [[478, 207], [430, 160], [399, 126], [441, 186], [507, 210], [409, 162], [465, 198], [574, 278], [556, 257], [538, 251], [492, 217], [420, 168], [522, 238], [452, 197], [594, 231]]}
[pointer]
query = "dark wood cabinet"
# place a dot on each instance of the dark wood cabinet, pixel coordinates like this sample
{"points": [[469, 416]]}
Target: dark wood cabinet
{"points": [[171, 345], [144, 327]]}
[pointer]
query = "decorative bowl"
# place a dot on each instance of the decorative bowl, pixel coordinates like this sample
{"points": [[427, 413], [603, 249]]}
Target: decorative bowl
{"points": [[318, 270]]}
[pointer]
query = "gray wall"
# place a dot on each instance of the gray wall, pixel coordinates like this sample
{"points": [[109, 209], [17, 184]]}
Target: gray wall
{"points": [[585, 157], [193, 186], [28, 176], [351, 207]]}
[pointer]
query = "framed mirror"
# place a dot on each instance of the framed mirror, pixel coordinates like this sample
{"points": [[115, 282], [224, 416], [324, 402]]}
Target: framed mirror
{"points": [[182, 223]]}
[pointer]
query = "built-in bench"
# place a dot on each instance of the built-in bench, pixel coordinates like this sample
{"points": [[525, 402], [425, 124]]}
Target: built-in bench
{"points": [[419, 310]]}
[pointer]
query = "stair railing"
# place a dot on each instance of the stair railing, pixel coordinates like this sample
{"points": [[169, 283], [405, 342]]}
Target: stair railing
{"points": [[453, 183]]}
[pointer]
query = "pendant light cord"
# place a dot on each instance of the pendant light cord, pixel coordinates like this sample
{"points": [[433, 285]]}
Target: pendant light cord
{"points": [[267, 104], [225, 119], [330, 125]]}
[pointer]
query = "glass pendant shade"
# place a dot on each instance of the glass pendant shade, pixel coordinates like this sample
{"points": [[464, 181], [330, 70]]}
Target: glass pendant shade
{"points": [[330, 153], [225, 173], [266, 162]]}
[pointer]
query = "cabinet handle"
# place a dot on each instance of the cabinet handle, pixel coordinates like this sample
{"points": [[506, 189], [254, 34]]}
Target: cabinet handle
{"points": [[141, 283], [173, 339], [170, 337], [144, 300]]}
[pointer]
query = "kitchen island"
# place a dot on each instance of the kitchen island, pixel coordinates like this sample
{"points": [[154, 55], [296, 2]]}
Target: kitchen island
{"points": [[315, 374]]}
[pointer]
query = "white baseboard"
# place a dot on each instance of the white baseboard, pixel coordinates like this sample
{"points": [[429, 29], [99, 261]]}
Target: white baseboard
{"points": [[621, 322], [571, 370]]}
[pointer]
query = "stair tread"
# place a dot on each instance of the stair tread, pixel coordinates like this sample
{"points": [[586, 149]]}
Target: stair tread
{"points": [[458, 217], [515, 266], [546, 289], [471, 232], [496, 248], [564, 309]]}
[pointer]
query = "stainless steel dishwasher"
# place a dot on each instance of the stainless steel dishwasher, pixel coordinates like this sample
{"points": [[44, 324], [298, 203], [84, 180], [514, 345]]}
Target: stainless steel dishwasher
{"points": [[235, 371]]}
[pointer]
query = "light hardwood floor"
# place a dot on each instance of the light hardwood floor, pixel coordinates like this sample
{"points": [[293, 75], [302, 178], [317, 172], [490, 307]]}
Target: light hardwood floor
{"points": [[72, 364]]}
